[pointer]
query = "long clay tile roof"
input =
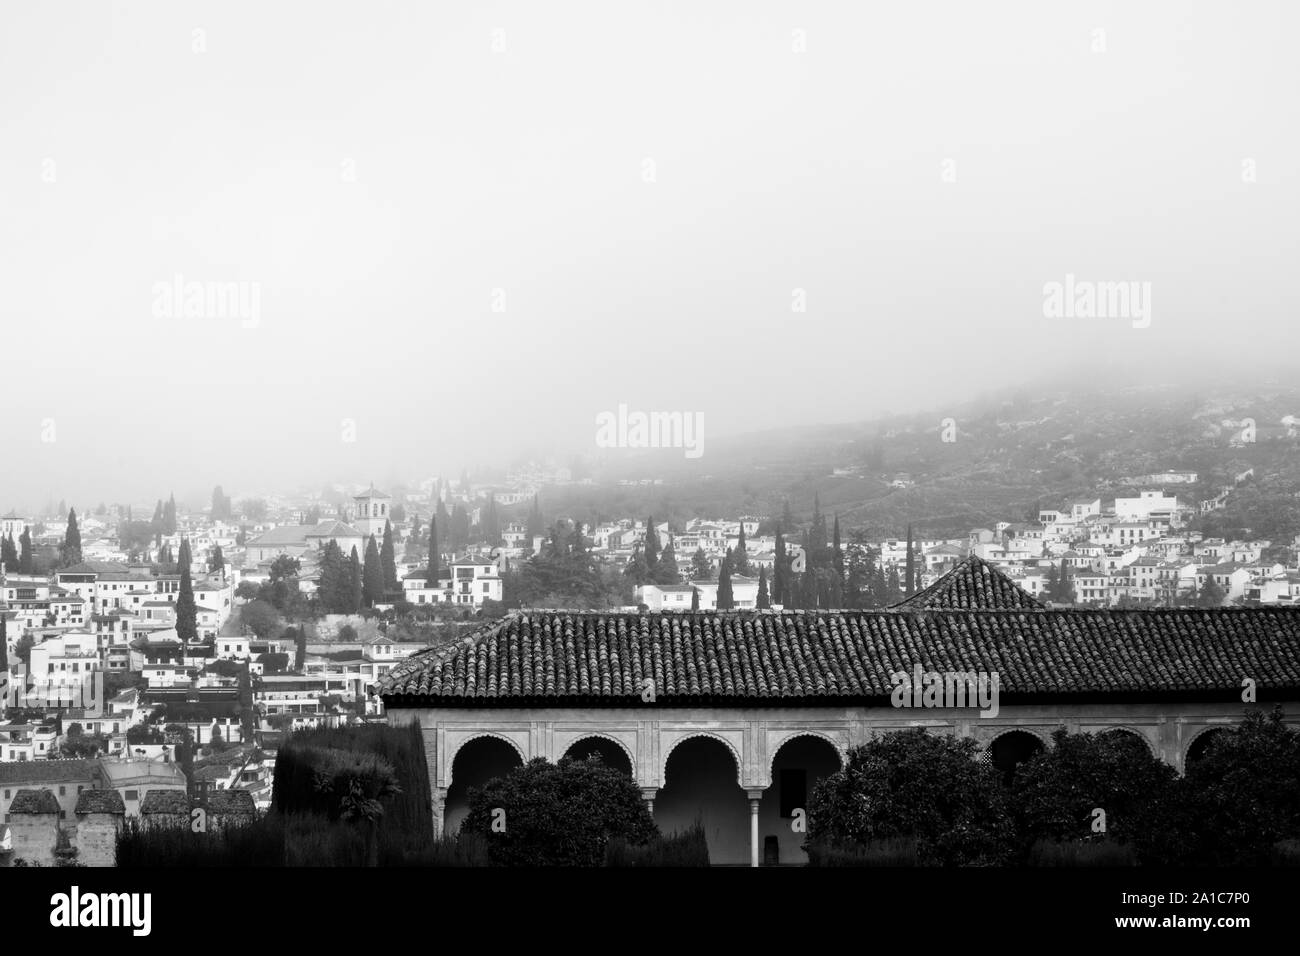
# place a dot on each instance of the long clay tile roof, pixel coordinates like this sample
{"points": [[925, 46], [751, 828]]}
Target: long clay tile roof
{"points": [[838, 657]]}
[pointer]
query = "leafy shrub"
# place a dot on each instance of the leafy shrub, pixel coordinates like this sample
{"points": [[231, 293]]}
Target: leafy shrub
{"points": [[560, 814], [1235, 804], [688, 847], [920, 786], [891, 851], [1055, 792]]}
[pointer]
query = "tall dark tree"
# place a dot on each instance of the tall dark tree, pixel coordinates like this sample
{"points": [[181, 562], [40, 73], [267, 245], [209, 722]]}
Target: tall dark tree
{"points": [[9, 553], [651, 544], [4, 663], [221, 505], [1065, 585], [388, 556], [334, 588], [909, 580], [187, 628], [666, 570], [459, 529], [787, 517], [763, 600], [158, 521], [357, 591], [373, 575], [72, 541], [837, 554], [740, 554], [490, 523], [695, 599], [536, 526], [169, 516], [779, 571], [431, 575], [26, 560], [725, 599], [701, 568], [218, 560], [816, 542]]}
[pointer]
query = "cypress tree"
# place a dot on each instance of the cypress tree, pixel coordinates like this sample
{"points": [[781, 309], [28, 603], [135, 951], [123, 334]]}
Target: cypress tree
{"points": [[837, 555], [388, 555], [651, 544], [763, 600], [701, 569], [356, 592], [666, 571], [909, 587], [431, 576], [741, 559], [779, 571], [695, 599], [72, 541], [535, 524], [725, 600], [373, 575], [169, 516], [26, 562], [218, 562], [9, 553], [187, 628], [4, 663]]}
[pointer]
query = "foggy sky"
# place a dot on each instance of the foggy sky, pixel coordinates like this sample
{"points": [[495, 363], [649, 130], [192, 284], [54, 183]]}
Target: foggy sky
{"points": [[378, 170]]}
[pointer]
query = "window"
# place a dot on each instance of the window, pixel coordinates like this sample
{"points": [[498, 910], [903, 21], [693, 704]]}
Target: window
{"points": [[63, 791], [133, 794]]}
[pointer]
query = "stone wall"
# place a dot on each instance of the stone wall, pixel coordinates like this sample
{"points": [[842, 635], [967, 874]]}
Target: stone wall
{"points": [[34, 837], [95, 838]]}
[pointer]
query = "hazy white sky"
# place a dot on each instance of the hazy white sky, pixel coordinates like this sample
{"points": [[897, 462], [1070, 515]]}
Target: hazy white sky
{"points": [[378, 169]]}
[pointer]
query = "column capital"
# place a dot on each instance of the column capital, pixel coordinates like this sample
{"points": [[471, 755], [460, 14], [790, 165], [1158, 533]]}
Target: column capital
{"points": [[755, 793]]}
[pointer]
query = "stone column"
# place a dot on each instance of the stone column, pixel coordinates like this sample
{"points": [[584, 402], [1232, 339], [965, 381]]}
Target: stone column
{"points": [[755, 798], [648, 795], [439, 810]]}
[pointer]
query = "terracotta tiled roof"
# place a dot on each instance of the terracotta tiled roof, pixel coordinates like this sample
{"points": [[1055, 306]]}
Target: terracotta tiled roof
{"points": [[100, 801], [767, 657], [231, 801], [37, 772], [34, 801], [973, 583], [165, 801]]}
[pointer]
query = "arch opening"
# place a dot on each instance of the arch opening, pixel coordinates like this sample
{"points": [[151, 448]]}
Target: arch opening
{"points": [[610, 753], [701, 783], [476, 762], [800, 763], [1012, 749]]}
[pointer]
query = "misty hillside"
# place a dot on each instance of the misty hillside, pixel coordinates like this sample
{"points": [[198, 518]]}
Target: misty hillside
{"points": [[1006, 456]]}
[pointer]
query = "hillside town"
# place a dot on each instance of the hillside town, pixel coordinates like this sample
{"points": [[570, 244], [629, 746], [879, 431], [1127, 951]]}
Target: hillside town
{"points": [[177, 654]]}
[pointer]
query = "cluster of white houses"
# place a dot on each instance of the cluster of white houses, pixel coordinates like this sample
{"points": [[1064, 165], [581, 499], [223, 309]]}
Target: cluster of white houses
{"points": [[732, 717]]}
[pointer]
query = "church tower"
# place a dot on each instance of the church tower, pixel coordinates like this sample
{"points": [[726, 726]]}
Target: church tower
{"points": [[371, 512]]}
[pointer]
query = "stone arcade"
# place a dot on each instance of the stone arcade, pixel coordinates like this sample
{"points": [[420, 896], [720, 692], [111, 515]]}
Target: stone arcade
{"points": [[751, 708]]}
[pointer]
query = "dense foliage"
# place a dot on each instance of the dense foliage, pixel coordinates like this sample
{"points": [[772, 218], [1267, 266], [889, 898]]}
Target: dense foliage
{"points": [[921, 786], [561, 814]]}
